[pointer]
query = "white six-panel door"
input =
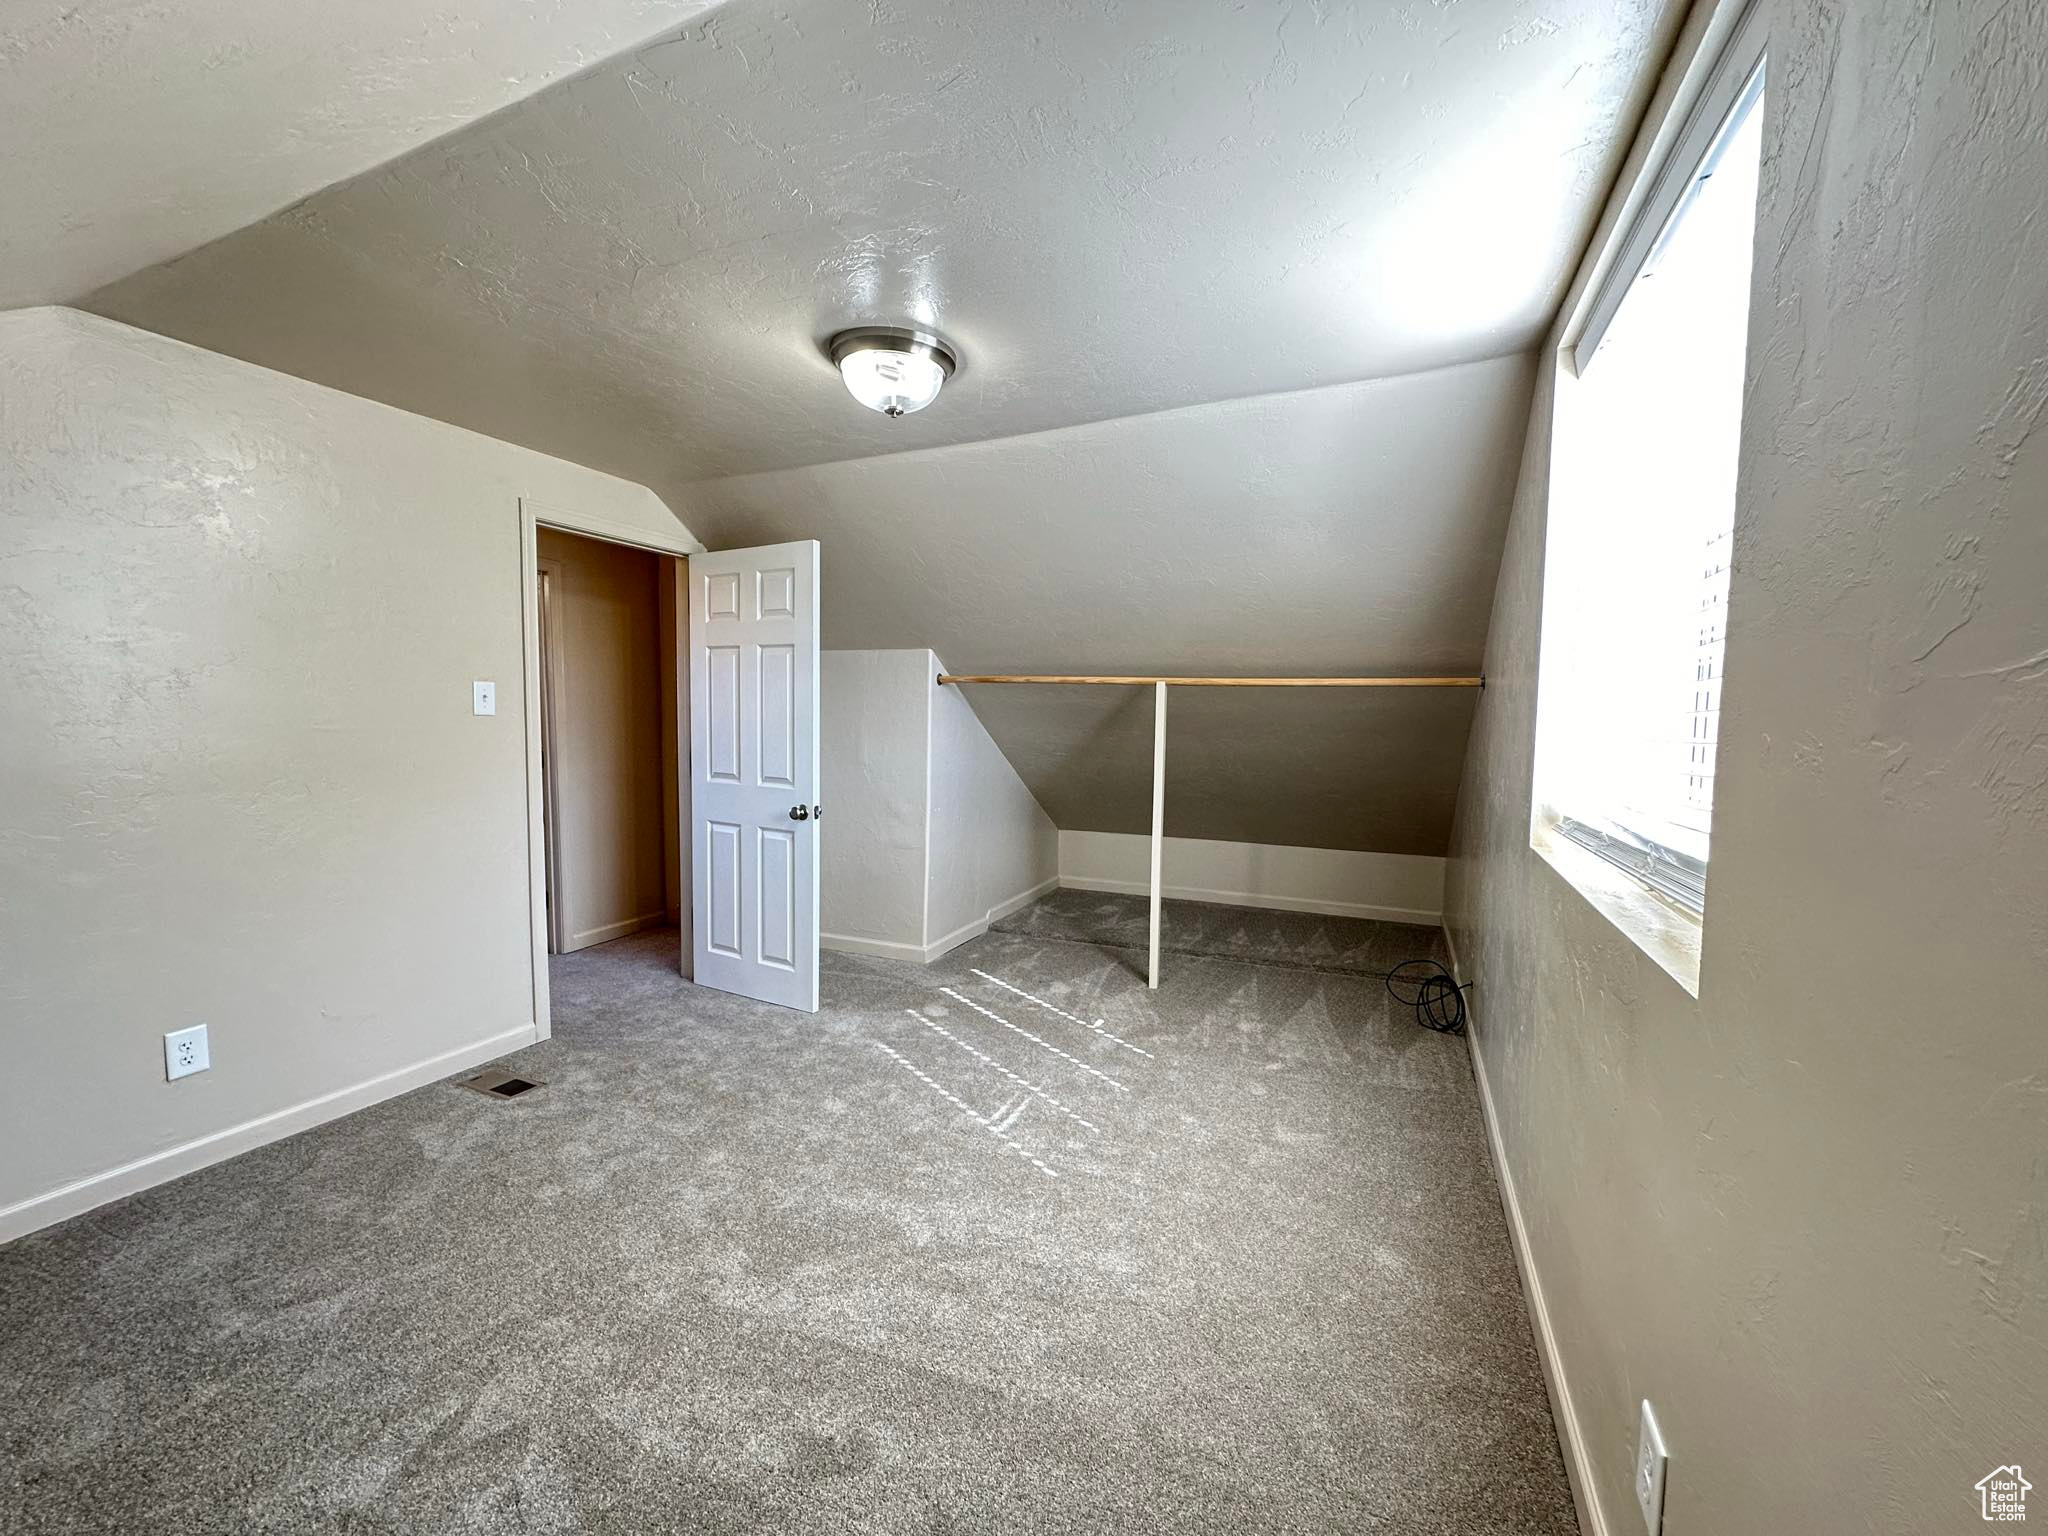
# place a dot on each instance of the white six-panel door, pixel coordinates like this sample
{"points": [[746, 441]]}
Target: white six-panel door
{"points": [[754, 771]]}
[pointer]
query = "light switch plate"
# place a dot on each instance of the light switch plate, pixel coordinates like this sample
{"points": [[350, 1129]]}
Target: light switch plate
{"points": [[484, 698], [185, 1052], [1651, 1458]]}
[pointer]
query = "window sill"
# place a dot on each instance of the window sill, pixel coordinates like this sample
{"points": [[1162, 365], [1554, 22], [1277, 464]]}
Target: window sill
{"points": [[1659, 927]]}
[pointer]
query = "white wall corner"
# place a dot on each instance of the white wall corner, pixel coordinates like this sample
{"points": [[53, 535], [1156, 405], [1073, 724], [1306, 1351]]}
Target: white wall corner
{"points": [[994, 915], [990, 847], [853, 944]]}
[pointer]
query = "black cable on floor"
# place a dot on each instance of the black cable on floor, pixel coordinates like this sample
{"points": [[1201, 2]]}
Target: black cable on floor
{"points": [[1433, 992]]}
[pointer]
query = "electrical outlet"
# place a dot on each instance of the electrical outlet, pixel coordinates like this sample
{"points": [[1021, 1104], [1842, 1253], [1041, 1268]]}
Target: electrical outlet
{"points": [[1650, 1461], [185, 1052], [483, 698]]}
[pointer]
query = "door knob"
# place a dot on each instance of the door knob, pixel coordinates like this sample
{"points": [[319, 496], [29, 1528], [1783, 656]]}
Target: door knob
{"points": [[799, 813]]}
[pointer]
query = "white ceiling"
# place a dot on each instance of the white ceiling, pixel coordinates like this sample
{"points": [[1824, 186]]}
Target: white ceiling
{"points": [[138, 129], [1111, 208]]}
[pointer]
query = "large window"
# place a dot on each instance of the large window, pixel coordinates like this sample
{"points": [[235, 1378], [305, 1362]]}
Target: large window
{"points": [[1642, 507]]}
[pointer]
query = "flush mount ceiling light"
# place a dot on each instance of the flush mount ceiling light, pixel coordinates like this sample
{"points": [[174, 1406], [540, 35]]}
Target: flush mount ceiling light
{"points": [[890, 369]]}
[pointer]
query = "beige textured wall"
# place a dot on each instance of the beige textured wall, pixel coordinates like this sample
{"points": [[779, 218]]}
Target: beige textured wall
{"points": [[1803, 1214], [240, 777], [612, 833]]}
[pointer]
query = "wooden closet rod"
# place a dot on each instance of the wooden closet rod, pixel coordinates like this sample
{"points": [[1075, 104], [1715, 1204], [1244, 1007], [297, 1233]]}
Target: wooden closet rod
{"points": [[1236, 682]]}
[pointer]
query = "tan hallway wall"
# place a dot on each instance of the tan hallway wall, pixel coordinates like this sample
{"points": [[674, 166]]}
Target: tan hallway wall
{"points": [[1803, 1213], [614, 834], [672, 584]]}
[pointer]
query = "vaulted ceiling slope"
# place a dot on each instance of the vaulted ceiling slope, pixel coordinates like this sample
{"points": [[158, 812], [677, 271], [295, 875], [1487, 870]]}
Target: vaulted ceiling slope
{"points": [[1244, 294], [138, 129], [1112, 209], [1355, 529]]}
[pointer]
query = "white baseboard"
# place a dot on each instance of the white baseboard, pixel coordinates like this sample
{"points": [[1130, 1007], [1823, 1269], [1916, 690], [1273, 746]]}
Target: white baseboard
{"points": [[1578, 1463], [1022, 899], [1385, 887], [926, 954], [590, 937], [75, 1199], [888, 949]]}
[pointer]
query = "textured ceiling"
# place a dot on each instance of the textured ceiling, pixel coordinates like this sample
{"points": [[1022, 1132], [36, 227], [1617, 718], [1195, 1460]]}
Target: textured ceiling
{"points": [[1353, 529], [138, 129], [1170, 241], [1112, 208]]}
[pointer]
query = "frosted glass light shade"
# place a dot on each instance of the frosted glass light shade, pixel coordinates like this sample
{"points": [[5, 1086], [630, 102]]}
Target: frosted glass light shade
{"points": [[894, 383], [892, 371]]}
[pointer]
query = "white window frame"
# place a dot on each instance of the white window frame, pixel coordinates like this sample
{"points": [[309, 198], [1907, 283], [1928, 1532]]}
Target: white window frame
{"points": [[1653, 892], [1737, 73]]}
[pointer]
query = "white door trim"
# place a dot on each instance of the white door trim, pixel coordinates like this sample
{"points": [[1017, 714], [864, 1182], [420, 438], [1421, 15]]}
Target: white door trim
{"points": [[533, 515]]}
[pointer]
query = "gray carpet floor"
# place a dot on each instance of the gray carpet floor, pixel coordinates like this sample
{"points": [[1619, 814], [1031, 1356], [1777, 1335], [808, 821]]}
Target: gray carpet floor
{"points": [[1061, 1255]]}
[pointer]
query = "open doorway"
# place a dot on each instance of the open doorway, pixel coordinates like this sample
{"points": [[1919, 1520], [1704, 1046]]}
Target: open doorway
{"points": [[615, 861]]}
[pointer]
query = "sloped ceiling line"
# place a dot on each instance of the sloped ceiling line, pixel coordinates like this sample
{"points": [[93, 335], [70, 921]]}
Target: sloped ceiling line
{"points": [[1111, 210], [1244, 294], [142, 129]]}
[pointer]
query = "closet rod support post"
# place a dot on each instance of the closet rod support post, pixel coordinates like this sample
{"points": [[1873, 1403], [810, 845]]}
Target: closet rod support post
{"points": [[1158, 818]]}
